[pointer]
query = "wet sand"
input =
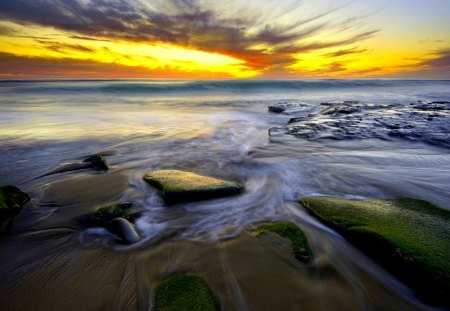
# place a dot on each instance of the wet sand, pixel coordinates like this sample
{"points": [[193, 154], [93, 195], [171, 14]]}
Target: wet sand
{"points": [[47, 265]]}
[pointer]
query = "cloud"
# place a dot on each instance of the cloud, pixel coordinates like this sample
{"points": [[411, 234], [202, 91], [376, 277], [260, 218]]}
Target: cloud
{"points": [[345, 52], [267, 36], [441, 60]]}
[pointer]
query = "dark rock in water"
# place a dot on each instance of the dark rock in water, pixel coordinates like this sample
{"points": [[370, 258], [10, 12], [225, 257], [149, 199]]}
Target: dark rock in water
{"points": [[354, 120], [107, 213], [124, 230], [12, 200], [288, 230], [180, 186], [409, 237], [433, 106], [97, 161], [186, 292], [286, 107]]}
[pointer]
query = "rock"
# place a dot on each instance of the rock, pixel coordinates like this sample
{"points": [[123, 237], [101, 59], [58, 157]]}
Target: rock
{"points": [[107, 213], [288, 230], [432, 106], [409, 237], [181, 186], [185, 292], [12, 200], [286, 107], [124, 230], [97, 161]]}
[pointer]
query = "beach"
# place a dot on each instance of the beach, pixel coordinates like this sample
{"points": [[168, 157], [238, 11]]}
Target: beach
{"points": [[377, 142]]}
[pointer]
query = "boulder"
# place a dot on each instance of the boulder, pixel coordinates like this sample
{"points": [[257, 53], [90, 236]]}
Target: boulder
{"points": [[12, 200], [300, 245], [181, 186], [409, 237], [105, 214], [97, 161], [186, 292], [124, 230]]}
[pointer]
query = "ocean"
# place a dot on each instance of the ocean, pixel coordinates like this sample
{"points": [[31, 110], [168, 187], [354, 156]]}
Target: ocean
{"points": [[356, 139]]}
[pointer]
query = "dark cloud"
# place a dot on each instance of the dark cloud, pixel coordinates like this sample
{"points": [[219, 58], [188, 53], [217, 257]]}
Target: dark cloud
{"points": [[210, 26], [61, 47], [345, 52], [441, 59]]}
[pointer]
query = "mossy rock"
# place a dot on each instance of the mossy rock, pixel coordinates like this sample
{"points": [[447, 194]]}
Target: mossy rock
{"points": [[180, 186], [300, 245], [105, 214], [410, 237], [187, 292], [97, 161], [12, 200]]}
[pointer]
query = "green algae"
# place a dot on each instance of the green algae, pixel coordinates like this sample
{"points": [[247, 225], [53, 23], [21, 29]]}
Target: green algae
{"points": [[288, 230], [180, 186], [410, 237], [107, 213], [186, 292], [12, 200]]}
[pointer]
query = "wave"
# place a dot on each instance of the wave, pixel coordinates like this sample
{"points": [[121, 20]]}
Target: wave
{"points": [[174, 86]]}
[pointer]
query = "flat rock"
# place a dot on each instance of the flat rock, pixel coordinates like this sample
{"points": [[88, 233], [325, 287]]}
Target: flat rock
{"points": [[181, 186], [12, 200], [409, 237], [288, 230], [186, 292]]}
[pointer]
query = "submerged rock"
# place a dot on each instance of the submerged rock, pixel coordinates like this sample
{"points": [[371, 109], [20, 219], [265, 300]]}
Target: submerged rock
{"points": [[409, 237], [288, 230], [187, 292], [180, 186], [97, 161], [124, 230], [107, 213], [12, 200]]}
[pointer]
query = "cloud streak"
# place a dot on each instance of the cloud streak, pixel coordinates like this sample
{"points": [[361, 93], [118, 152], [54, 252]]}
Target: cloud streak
{"points": [[266, 37]]}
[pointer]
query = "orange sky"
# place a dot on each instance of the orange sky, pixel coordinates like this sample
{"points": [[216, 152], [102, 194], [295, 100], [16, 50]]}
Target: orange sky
{"points": [[232, 39]]}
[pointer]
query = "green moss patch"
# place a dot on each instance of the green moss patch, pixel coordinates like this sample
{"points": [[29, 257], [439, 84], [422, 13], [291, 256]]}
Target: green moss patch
{"points": [[106, 213], [12, 200], [185, 292], [180, 186], [288, 230], [410, 237]]}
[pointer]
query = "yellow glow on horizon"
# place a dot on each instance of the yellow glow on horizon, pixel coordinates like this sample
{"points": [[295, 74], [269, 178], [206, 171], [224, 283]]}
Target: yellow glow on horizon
{"points": [[154, 56]]}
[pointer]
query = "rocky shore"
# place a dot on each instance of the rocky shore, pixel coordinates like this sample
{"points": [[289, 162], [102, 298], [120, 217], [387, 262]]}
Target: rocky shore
{"points": [[96, 242]]}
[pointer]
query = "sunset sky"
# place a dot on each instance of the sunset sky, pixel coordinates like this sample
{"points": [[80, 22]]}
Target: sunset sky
{"points": [[224, 39]]}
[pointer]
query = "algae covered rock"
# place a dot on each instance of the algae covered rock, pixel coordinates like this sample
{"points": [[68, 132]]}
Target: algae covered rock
{"points": [[410, 237], [187, 292], [12, 200], [181, 186], [288, 230], [97, 161], [107, 213]]}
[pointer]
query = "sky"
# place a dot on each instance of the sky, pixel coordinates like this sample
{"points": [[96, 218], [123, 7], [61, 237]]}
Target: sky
{"points": [[213, 39]]}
